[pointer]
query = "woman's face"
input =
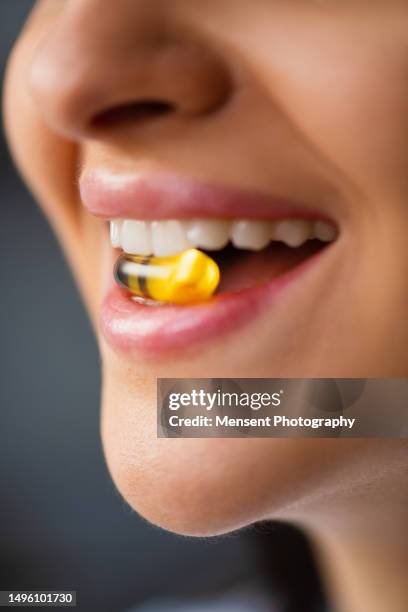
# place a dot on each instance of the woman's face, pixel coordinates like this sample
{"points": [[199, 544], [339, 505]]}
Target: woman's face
{"points": [[225, 111]]}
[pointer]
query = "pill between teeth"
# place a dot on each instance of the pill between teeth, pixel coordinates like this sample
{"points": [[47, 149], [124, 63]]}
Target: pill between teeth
{"points": [[186, 278]]}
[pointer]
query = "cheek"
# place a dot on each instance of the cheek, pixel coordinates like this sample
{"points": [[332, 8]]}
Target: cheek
{"points": [[345, 90], [46, 161], [359, 122], [49, 165]]}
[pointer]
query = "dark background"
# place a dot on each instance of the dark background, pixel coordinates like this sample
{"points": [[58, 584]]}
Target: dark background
{"points": [[62, 524]]}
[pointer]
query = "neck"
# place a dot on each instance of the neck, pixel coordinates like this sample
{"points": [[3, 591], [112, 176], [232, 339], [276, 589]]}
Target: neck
{"points": [[365, 572], [362, 550]]}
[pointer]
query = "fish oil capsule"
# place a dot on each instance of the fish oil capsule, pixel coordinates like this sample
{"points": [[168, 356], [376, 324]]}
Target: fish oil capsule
{"points": [[191, 276]]}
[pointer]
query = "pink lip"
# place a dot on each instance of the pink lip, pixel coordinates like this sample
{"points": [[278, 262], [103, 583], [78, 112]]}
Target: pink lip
{"points": [[163, 330], [168, 196]]}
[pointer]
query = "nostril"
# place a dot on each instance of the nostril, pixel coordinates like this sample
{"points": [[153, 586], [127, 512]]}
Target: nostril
{"points": [[134, 112]]}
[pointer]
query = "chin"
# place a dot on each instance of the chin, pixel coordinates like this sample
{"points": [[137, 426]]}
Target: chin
{"points": [[206, 487], [196, 487]]}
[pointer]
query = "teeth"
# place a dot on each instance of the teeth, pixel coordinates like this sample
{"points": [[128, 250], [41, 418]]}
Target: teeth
{"points": [[293, 232], [254, 235], [324, 231], [208, 234], [115, 229], [169, 237], [136, 237]]}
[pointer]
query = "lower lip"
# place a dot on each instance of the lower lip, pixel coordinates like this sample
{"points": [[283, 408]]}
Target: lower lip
{"points": [[164, 330]]}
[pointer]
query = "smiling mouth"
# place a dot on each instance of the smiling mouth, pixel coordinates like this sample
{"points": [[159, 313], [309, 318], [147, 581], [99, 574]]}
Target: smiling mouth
{"points": [[263, 245], [248, 252]]}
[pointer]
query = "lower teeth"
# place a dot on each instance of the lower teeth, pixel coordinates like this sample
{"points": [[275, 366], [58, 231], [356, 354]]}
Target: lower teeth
{"points": [[145, 301]]}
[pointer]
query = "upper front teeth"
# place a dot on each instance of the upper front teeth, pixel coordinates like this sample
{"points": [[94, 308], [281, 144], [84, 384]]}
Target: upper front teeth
{"points": [[135, 236], [208, 234], [169, 237]]}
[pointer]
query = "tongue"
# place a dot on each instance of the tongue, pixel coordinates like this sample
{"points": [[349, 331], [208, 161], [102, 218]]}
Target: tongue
{"points": [[242, 269]]}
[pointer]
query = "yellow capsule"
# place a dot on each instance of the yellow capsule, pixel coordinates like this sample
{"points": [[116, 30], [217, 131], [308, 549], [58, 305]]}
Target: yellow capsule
{"points": [[190, 276]]}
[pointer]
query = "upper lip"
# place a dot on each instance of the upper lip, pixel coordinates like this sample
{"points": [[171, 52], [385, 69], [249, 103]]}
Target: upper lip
{"points": [[170, 196]]}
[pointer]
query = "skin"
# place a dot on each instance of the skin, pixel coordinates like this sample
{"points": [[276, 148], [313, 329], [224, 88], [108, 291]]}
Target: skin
{"points": [[328, 82]]}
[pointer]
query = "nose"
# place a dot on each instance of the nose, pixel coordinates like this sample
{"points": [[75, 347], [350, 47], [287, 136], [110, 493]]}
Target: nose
{"points": [[106, 63]]}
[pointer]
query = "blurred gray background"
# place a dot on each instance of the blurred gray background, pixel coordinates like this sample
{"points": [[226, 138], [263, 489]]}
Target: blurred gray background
{"points": [[62, 524]]}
